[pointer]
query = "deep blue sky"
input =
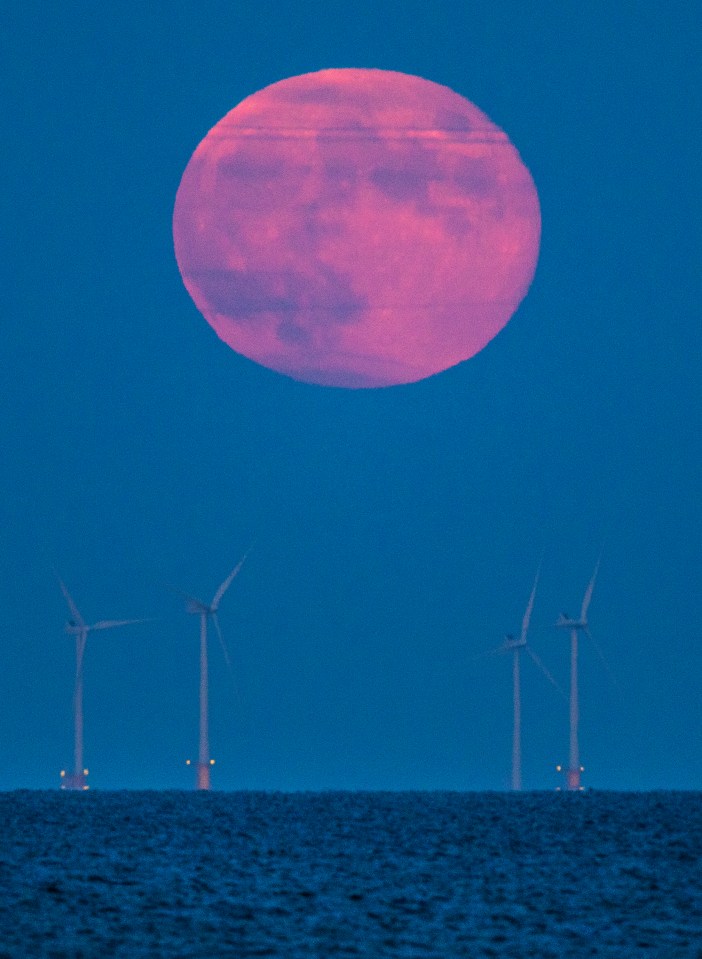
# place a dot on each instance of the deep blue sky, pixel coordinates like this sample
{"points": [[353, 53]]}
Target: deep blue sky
{"points": [[398, 530]]}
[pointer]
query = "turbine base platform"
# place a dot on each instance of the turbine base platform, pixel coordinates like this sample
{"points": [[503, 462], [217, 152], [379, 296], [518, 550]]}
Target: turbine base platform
{"points": [[572, 778], [76, 782], [203, 775]]}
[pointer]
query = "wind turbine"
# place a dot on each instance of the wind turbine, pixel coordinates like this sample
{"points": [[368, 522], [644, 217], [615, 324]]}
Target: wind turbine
{"points": [[511, 644], [206, 610], [576, 626], [76, 626]]}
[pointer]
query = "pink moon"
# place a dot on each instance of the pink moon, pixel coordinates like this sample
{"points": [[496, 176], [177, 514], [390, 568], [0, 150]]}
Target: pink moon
{"points": [[356, 228]]}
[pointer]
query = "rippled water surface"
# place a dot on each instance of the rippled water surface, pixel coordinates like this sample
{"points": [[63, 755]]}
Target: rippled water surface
{"points": [[377, 875]]}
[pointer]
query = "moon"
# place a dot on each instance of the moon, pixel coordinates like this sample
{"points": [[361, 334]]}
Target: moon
{"points": [[356, 228]]}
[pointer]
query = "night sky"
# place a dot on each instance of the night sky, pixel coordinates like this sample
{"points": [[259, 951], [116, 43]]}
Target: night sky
{"points": [[397, 531]]}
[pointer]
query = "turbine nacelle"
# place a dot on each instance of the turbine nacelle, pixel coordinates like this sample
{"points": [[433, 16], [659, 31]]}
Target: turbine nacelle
{"points": [[198, 608], [511, 642], [565, 621]]}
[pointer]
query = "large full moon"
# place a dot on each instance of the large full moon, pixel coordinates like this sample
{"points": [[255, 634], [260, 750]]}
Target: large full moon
{"points": [[356, 228]]}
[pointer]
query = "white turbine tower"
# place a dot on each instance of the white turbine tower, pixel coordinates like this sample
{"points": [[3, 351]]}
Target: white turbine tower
{"points": [[515, 646], [206, 610], [76, 626], [576, 626]]}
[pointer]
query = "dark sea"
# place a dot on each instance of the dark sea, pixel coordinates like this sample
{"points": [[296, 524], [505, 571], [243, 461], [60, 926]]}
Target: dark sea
{"points": [[299, 875]]}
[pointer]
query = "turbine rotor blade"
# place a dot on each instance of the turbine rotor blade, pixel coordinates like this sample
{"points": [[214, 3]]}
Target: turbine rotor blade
{"points": [[543, 669], [227, 658], [227, 583], [112, 623], [588, 592], [600, 653], [225, 651], [530, 606], [492, 652], [69, 600], [197, 604]]}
